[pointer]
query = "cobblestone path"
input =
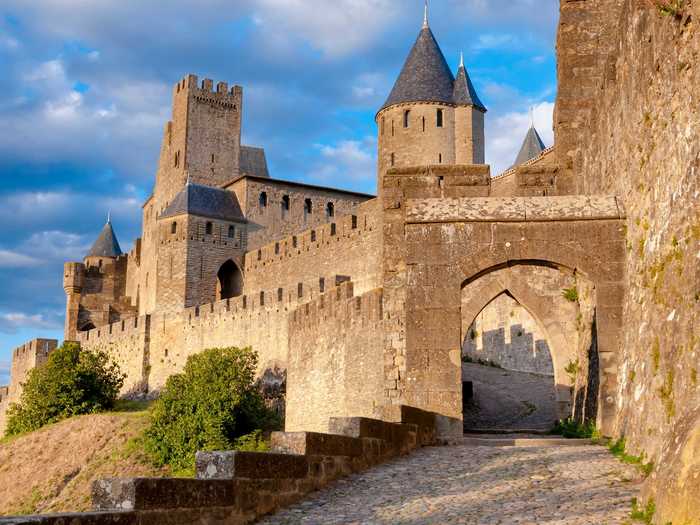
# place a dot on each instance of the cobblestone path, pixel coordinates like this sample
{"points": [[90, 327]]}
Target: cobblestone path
{"points": [[582, 485]]}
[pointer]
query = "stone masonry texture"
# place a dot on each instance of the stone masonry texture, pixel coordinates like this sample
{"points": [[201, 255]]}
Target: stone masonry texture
{"points": [[366, 307]]}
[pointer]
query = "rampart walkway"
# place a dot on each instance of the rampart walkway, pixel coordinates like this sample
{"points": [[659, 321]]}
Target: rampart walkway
{"points": [[579, 485]]}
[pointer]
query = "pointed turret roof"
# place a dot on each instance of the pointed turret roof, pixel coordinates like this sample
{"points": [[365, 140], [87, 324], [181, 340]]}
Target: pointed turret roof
{"points": [[205, 201], [106, 244], [426, 77], [464, 92], [531, 148]]}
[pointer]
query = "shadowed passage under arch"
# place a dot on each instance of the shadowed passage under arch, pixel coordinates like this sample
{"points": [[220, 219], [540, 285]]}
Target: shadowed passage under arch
{"points": [[230, 280]]}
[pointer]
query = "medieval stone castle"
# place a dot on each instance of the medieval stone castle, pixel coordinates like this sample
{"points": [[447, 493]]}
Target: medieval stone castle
{"points": [[358, 304]]}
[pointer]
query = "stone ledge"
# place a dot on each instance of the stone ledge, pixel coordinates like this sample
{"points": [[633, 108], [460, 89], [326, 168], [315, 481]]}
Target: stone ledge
{"points": [[316, 444], [513, 209], [253, 465], [160, 493]]}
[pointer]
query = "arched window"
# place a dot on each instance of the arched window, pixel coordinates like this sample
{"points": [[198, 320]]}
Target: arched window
{"points": [[173, 228], [231, 232], [440, 158], [406, 115], [263, 199], [209, 228], [308, 206], [330, 209], [230, 280], [285, 203], [439, 118]]}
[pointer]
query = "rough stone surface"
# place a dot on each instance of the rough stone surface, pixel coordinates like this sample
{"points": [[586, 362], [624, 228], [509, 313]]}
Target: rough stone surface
{"points": [[479, 485]]}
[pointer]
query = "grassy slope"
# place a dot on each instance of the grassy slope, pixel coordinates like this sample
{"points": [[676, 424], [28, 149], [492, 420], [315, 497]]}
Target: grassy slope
{"points": [[52, 469]]}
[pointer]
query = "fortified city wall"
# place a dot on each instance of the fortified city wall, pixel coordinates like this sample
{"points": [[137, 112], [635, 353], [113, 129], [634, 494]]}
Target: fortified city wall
{"points": [[641, 142], [24, 358], [151, 348], [335, 356]]}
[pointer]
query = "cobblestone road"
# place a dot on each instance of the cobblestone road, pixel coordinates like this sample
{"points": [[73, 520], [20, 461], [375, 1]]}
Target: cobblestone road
{"points": [[581, 485]]}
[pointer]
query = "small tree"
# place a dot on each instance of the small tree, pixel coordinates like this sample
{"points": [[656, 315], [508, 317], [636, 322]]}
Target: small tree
{"points": [[70, 383], [207, 407]]}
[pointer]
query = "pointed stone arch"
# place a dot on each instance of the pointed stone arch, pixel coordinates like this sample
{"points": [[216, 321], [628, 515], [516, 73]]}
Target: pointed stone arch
{"points": [[479, 292]]}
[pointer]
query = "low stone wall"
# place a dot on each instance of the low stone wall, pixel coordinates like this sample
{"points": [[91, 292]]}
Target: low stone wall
{"points": [[235, 488]]}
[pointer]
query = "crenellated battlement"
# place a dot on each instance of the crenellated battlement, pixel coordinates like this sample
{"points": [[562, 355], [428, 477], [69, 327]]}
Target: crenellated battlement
{"points": [[34, 351], [123, 328], [339, 304], [315, 239], [205, 91]]}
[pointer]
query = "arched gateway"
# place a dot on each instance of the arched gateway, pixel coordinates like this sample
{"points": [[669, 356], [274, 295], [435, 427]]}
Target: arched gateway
{"points": [[561, 258], [230, 281]]}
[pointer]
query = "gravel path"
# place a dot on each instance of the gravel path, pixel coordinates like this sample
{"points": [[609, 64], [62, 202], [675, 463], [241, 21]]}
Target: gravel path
{"points": [[582, 485]]}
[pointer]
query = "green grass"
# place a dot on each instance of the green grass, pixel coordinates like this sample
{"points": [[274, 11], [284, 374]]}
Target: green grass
{"points": [[129, 405], [643, 514], [617, 448]]}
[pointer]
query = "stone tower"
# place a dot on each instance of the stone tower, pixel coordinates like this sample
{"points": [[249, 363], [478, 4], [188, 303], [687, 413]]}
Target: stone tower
{"points": [[95, 288], [202, 142], [430, 117]]}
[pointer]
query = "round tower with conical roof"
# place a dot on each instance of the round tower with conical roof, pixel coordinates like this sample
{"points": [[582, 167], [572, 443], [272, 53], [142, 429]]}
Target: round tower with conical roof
{"points": [[431, 116]]}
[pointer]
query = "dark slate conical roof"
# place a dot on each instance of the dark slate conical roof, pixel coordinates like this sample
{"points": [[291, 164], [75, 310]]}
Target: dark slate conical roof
{"points": [[464, 92], [106, 244], [531, 148], [425, 76], [205, 201]]}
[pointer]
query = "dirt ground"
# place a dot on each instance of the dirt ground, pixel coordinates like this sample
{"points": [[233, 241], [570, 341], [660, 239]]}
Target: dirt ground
{"points": [[52, 469]]}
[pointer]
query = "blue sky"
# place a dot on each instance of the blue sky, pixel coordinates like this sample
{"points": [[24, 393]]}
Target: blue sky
{"points": [[86, 91]]}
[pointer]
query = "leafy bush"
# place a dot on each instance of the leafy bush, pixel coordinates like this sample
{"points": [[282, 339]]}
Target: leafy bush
{"points": [[207, 407], [70, 383], [572, 429]]}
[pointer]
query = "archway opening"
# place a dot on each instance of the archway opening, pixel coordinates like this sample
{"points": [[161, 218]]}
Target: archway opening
{"points": [[507, 370], [230, 281], [528, 317]]}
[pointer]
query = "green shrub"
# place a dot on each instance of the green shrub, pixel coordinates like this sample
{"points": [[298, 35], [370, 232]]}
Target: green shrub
{"points": [[207, 407], [70, 383], [571, 429]]}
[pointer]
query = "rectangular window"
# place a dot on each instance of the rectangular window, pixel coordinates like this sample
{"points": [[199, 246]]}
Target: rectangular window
{"points": [[439, 118]]}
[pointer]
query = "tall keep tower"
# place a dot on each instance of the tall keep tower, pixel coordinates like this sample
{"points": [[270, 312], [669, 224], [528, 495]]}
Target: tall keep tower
{"points": [[430, 117], [202, 142]]}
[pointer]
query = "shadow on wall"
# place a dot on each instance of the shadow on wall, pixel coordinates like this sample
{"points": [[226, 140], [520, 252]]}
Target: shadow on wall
{"points": [[523, 353]]}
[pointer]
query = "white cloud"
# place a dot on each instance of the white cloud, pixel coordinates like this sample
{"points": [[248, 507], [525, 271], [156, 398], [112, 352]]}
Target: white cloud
{"points": [[335, 28], [505, 134], [346, 160], [10, 259], [494, 41], [11, 322]]}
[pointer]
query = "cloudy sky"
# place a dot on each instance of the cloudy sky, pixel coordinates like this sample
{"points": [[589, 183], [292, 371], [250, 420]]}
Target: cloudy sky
{"points": [[86, 88]]}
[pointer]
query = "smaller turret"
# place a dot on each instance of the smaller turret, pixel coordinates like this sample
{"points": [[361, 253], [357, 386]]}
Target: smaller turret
{"points": [[73, 282], [106, 244], [531, 148]]}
